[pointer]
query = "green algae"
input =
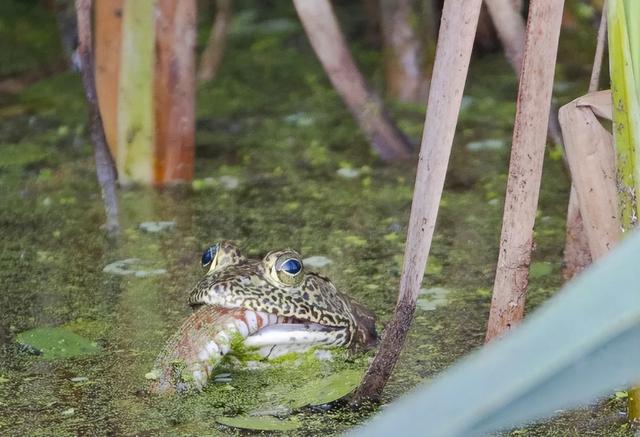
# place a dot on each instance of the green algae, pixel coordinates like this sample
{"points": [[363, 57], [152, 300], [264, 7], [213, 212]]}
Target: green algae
{"points": [[431, 298], [60, 97], [21, 155], [540, 269], [260, 423], [27, 37], [239, 351]]}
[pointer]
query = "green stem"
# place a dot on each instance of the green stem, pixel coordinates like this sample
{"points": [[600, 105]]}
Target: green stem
{"points": [[135, 96], [624, 58]]}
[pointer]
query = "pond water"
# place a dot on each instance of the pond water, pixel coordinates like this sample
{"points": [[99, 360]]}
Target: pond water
{"points": [[279, 164]]}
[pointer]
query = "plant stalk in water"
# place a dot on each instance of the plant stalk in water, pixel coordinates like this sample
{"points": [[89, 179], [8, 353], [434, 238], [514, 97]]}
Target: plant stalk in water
{"points": [[104, 161], [525, 167], [326, 38], [624, 61], [455, 43], [212, 53], [577, 255]]}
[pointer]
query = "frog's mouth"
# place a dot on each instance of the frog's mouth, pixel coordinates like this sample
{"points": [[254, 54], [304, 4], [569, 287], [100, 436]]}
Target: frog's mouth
{"points": [[207, 335], [275, 340], [274, 335]]}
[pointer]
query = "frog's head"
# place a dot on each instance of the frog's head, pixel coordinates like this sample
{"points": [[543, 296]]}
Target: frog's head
{"points": [[304, 307]]}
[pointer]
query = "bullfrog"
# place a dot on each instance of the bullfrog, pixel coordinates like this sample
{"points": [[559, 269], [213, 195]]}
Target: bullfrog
{"points": [[272, 305]]}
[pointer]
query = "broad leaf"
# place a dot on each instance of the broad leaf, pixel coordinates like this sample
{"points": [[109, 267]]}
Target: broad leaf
{"points": [[323, 391], [54, 343]]}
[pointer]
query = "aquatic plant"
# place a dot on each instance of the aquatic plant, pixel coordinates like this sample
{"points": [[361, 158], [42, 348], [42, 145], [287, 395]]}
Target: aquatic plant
{"points": [[624, 60]]}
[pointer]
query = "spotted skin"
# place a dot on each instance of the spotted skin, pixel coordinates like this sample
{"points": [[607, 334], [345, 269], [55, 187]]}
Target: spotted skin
{"points": [[227, 254], [238, 282], [242, 296]]}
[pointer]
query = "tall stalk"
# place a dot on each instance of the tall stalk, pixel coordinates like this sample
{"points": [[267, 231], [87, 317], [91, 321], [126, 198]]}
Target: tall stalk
{"points": [[328, 42], [624, 59], [107, 43], [212, 53], [525, 166], [174, 90], [105, 169], [577, 255], [134, 155], [453, 53]]}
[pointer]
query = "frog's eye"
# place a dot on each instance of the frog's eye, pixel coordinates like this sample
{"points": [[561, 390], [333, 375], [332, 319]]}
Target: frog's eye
{"points": [[209, 255], [289, 270], [291, 266]]}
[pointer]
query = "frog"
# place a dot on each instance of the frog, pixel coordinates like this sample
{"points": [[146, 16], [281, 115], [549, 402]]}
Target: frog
{"points": [[274, 305]]}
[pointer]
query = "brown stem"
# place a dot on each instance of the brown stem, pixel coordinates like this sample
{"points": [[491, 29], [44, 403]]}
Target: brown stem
{"points": [[104, 161], [597, 58], [174, 91], [329, 44], [577, 255], [592, 161], [107, 50], [510, 26], [455, 42], [404, 75], [525, 168], [212, 53]]}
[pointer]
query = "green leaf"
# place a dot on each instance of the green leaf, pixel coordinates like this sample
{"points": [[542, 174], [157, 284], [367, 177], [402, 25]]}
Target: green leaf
{"points": [[624, 41], [55, 343], [323, 391], [259, 423]]}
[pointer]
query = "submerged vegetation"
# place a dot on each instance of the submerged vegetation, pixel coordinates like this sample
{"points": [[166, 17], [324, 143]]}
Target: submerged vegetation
{"points": [[279, 164]]}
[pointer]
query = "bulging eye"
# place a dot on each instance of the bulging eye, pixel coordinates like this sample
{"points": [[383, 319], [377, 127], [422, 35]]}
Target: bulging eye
{"points": [[208, 255], [289, 270], [291, 266]]}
